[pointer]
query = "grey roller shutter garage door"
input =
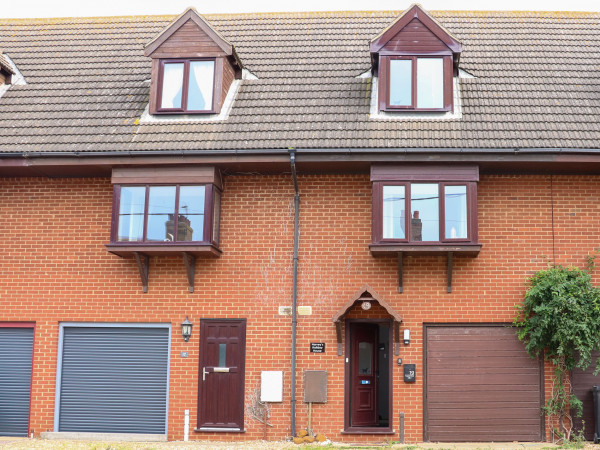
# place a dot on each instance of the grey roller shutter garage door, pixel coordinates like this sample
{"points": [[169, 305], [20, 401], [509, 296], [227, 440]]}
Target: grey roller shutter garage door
{"points": [[480, 386], [16, 351], [114, 380]]}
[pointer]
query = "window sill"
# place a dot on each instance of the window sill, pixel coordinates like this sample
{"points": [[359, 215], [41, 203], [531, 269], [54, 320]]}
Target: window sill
{"points": [[218, 430], [199, 250], [463, 249], [368, 430]]}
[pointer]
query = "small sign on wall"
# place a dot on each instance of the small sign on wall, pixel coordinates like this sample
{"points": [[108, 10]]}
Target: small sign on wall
{"points": [[410, 373], [317, 347]]}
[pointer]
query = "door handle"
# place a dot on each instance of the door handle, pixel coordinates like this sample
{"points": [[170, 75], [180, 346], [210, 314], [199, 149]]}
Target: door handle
{"points": [[204, 372]]}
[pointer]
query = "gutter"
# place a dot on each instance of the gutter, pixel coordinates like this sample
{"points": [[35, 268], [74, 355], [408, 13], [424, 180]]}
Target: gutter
{"points": [[294, 288], [396, 150]]}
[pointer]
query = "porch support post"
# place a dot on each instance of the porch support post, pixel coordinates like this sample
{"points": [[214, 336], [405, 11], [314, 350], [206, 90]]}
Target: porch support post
{"points": [[396, 338], [338, 332]]}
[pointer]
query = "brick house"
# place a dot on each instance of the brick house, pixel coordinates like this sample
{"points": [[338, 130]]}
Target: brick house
{"points": [[345, 206]]}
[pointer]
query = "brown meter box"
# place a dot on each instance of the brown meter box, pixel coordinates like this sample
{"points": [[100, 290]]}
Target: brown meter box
{"points": [[315, 386]]}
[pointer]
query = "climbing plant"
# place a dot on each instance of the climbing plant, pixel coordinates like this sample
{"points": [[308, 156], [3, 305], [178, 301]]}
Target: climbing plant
{"points": [[560, 319]]}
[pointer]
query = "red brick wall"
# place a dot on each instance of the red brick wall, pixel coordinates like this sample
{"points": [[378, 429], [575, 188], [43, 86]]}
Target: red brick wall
{"points": [[54, 267]]}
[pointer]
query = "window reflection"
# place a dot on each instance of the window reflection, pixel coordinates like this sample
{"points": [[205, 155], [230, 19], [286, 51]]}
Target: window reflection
{"points": [[131, 214], [401, 82], [394, 201], [455, 198], [191, 213], [200, 89], [425, 222], [430, 83]]}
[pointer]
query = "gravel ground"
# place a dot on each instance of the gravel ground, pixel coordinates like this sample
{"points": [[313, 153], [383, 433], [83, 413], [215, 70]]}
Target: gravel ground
{"points": [[44, 444]]}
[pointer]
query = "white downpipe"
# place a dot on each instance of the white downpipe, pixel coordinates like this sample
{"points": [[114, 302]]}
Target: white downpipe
{"points": [[186, 426]]}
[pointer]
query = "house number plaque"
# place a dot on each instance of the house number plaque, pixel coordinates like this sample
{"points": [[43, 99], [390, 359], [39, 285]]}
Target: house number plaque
{"points": [[317, 347]]}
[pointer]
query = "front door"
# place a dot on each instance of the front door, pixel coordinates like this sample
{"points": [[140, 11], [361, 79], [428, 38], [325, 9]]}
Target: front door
{"points": [[221, 378], [363, 378]]}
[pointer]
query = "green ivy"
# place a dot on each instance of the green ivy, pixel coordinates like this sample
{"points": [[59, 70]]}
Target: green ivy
{"points": [[560, 319]]}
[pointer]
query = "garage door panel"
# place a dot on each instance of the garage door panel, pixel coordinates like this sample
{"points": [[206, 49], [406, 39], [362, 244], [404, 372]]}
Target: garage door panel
{"points": [[114, 379], [16, 353], [480, 385]]}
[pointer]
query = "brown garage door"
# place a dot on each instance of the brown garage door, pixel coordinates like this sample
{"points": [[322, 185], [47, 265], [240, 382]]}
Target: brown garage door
{"points": [[480, 385], [582, 381]]}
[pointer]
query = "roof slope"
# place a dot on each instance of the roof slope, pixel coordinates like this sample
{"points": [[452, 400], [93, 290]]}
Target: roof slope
{"points": [[537, 84]]}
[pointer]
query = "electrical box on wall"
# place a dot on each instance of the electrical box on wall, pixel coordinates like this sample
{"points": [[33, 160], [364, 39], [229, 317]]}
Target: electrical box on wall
{"points": [[271, 386], [315, 386]]}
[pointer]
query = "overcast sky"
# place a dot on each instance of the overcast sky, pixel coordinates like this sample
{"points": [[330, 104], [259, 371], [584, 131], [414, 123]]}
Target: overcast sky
{"points": [[82, 8]]}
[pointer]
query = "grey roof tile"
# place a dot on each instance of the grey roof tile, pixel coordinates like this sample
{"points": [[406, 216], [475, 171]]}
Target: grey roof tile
{"points": [[537, 85]]}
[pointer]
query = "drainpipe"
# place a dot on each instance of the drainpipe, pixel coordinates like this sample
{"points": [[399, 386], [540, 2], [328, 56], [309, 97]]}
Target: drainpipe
{"points": [[295, 287]]}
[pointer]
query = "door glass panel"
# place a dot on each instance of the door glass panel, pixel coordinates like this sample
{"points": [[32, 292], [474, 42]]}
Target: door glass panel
{"points": [[455, 198], [365, 358], [393, 212], [161, 209], [131, 214], [401, 82], [425, 222], [430, 83], [222, 355]]}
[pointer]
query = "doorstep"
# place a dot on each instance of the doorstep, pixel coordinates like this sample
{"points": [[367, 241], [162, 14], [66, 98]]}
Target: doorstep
{"points": [[122, 437]]}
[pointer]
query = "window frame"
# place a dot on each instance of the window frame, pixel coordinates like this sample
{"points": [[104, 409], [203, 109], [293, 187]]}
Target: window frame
{"points": [[385, 80], [209, 237], [185, 86], [377, 231]]}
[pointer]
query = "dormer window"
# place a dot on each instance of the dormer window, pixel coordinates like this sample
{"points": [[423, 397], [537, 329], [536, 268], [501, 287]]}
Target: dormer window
{"points": [[186, 86], [415, 60], [193, 67], [417, 83]]}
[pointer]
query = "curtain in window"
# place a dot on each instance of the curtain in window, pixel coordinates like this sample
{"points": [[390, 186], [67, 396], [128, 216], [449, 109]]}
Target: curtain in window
{"points": [[172, 86], [200, 91]]}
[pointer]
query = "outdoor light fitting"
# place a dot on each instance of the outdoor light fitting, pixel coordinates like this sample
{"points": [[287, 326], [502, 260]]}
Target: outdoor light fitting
{"points": [[406, 336], [186, 329]]}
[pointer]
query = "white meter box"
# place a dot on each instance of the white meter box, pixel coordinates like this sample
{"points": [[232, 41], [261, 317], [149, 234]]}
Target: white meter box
{"points": [[271, 386]]}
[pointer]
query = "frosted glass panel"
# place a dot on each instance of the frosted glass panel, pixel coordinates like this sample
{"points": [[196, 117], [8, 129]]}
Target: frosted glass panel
{"points": [[200, 90], [455, 198], [400, 82], [394, 215], [365, 358], [172, 86], [430, 83]]}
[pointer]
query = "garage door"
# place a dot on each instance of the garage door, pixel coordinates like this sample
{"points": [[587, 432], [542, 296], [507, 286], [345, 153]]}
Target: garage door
{"points": [[16, 352], [583, 381], [113, 379], [480, 386]]}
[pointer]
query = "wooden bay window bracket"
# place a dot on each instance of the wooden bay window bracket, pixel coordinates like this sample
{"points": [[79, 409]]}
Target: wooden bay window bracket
{"points": [[142, 253]]}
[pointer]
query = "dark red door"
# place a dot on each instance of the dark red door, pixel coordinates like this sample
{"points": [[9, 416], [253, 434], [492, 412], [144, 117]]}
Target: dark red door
{"points": [[221, 380], [363, 399]]}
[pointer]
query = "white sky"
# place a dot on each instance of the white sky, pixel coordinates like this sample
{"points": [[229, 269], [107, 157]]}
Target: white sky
{"points": [[82, 8]]}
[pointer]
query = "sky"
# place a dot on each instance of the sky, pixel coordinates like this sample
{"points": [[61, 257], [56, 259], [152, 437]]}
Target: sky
{"points": [[88, 8]]}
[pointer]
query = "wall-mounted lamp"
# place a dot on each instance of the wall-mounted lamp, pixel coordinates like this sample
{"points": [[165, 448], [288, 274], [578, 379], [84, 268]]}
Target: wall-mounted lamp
{"points": [[406, 336], [186, 329]]}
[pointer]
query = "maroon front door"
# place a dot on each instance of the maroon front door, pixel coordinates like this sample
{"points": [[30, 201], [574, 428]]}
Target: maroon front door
{"points": [[221, 378], [363, 378]]}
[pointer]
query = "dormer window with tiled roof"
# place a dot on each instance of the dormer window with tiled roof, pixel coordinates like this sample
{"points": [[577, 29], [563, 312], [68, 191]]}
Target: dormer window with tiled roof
{"points": [[415, 59], [6, 71], [193, 67]]}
